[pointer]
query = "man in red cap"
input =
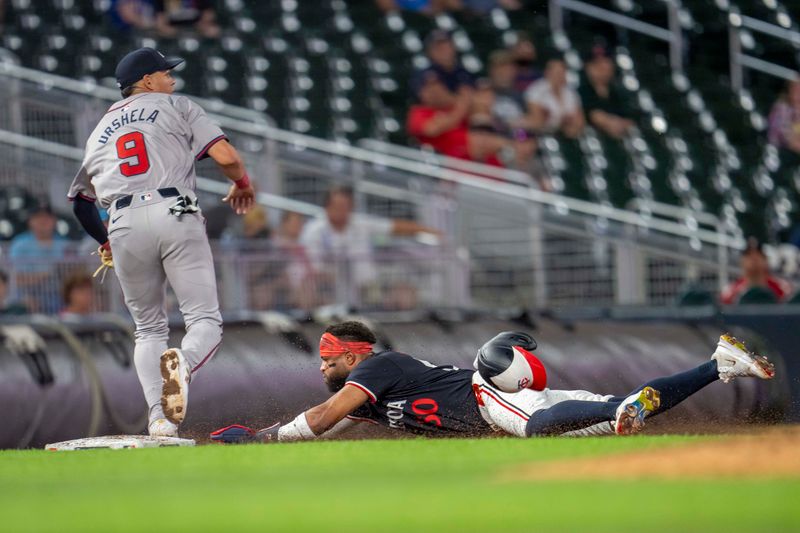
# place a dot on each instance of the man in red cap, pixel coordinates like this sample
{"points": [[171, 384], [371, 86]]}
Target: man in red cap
{"points": [[413, 395]]}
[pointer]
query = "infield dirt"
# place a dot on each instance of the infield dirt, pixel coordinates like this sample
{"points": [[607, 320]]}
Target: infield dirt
{"points": [[767, 454]]}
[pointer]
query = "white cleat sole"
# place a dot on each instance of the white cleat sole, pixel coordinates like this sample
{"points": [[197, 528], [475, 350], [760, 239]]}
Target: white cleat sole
{"points": [[173, 386], [735, 360], [630, 419]]}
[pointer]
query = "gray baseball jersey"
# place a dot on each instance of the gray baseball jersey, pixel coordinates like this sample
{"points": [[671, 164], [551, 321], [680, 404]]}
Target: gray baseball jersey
{"points": [[142, 143]]}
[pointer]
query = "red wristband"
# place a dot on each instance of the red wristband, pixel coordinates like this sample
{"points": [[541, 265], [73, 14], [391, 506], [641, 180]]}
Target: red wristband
{"points": [[243, 182]]}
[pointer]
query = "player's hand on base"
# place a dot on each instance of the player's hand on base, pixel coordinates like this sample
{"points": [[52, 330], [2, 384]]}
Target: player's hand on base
{"points": [[241, 199]]}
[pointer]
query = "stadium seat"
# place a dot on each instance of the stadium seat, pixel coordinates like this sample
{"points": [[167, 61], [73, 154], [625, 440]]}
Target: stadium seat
{"points": [[757, 295], [694, 297], [698, 144]]}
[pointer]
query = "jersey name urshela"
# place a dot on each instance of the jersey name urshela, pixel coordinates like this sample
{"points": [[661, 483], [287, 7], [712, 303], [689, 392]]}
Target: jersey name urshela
{"points": [[129, 116]]}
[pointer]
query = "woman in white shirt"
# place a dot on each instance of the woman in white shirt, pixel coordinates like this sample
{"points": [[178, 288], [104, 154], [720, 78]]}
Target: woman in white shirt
{"points": [[553, 106]]}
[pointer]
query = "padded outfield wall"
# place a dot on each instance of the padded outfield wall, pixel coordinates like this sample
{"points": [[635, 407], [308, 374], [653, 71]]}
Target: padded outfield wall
{"points": [[67, 380]]}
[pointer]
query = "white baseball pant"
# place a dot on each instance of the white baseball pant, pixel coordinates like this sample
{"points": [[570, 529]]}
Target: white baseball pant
{"points": [[509, 412]]}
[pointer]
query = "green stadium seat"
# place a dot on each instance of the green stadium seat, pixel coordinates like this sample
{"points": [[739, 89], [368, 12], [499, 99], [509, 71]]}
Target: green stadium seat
{"points": [[695, 297], [757, 295]]}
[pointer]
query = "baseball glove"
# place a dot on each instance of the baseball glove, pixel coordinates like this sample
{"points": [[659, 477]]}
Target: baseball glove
{"points": [[106, 261]]}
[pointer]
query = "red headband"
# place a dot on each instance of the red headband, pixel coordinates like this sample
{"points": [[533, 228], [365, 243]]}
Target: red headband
{"points": [[330, 346]]}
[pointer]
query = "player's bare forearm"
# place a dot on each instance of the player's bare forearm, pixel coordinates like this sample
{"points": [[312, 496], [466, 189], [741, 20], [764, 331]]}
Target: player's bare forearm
{"points": [[409, 228], [242, 196], [326, 415], [228, 159]]}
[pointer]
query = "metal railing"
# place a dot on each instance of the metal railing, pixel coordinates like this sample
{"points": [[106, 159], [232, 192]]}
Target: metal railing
{"points": [[739, 60], [394, 279], [293, 147], [508, 228], [523, 254], [671, 35], [438, 160]]}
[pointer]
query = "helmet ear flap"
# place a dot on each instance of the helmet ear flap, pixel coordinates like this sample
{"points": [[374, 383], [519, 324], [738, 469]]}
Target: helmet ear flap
{"points": [[526, 341]]}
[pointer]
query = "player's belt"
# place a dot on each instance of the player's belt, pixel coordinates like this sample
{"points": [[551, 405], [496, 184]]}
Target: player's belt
{"points": [[166, 192]]}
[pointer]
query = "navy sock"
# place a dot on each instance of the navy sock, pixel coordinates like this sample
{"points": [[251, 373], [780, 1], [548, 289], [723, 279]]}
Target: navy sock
{"points": [[674, 389], [575, 414], [568, 416]]}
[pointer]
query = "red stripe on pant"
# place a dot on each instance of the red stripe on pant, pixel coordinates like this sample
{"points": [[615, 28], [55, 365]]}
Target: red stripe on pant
{"points": [[208, 356], [504, 404]]}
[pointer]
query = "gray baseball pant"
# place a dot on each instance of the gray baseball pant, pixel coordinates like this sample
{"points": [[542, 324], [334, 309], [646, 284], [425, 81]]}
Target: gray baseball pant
{"points": [[150, 247]]}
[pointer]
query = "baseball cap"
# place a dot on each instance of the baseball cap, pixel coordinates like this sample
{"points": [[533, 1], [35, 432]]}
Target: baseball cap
{"points": [[598, 51], [423, 78], [500, 57], [437, 36], [139, 63], [41, 207]]}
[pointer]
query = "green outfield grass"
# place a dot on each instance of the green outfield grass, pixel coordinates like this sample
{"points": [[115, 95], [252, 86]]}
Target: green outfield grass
{"points": [[379, 485]]}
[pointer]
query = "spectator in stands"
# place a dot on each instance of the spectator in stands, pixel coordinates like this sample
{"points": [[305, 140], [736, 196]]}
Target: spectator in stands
{"points": [[553, 106], [484, 120], [428, 7], [173, 15], [254, 237], [603, 101], [34, 255], [482, 114], [755, 273], [299, 285], [784, 119], [483, 7], [8, 307], [440, 120], [127, 15], [78, 296], [255, 224], [343, 243], [509, 105], [524, 53], [443, 56]]}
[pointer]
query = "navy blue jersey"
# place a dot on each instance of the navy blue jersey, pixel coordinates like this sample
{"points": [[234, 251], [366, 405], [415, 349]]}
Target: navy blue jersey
{"points": [[414, 395]]}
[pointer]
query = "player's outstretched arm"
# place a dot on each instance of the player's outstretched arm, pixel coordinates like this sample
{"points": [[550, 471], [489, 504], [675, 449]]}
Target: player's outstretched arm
{"points": [[326, 415], [241, 197], [309, 425]]}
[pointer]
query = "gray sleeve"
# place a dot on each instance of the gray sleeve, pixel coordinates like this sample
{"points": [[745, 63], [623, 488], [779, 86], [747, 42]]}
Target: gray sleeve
{"points": [[203, 132], [82, 186]]}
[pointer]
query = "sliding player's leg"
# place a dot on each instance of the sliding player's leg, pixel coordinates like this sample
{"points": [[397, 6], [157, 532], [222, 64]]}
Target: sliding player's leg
{"points": [[731, 359]]}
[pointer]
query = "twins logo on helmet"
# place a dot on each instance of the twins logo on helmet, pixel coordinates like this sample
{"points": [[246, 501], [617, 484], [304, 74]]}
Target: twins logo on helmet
{"points": [[507, 363]]}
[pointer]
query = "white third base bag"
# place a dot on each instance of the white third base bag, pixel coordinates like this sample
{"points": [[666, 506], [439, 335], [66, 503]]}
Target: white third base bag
{"points": [[118, 442]]}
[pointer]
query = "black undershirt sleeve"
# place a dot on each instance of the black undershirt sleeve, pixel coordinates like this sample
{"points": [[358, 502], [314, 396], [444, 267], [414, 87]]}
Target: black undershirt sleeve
{"points": [[89, 217]]}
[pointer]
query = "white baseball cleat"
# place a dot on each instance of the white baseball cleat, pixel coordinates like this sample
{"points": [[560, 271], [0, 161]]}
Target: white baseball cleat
{"points": [[162, 428], [175, 377], [633, 410], [735, 360]]}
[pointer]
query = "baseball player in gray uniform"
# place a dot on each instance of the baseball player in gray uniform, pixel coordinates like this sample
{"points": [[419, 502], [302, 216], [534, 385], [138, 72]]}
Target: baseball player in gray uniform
{"points": [[140, 166]]}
